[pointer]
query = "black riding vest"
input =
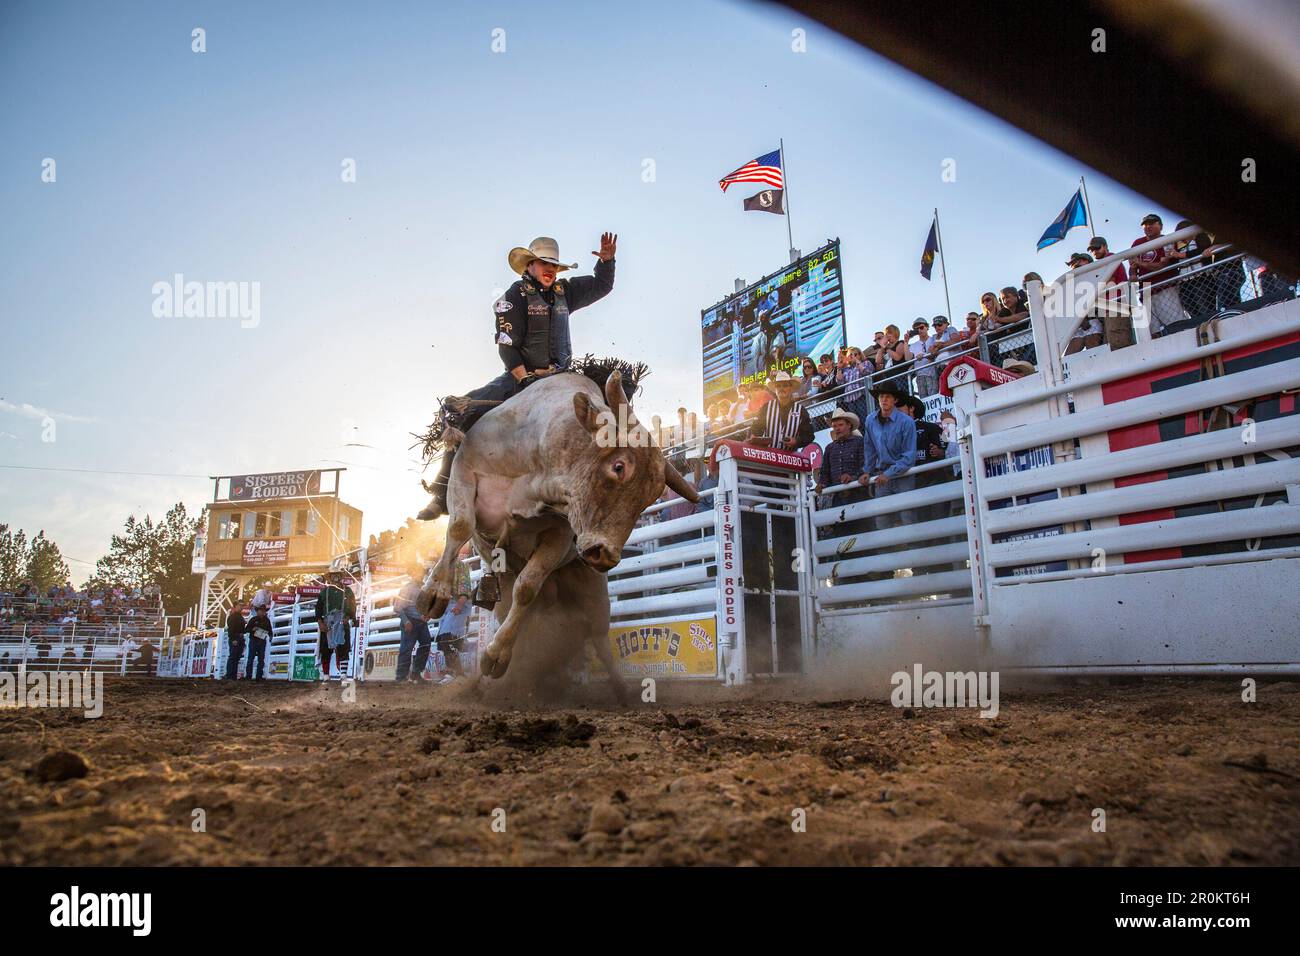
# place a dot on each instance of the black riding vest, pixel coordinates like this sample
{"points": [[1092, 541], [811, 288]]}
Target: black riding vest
{"points": [[547, 342]]}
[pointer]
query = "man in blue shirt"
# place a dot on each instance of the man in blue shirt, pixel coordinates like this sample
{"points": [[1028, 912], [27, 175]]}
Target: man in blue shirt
{"points": [[888, 451], [451, 633]]}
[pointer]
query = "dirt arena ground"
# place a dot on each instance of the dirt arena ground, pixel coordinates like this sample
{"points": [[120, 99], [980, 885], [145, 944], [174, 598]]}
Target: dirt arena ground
{"points": [[1185, 772]]}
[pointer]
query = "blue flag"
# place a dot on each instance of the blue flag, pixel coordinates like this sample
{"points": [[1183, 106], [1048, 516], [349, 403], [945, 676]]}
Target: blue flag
{"points": [[931, 247], [1074, 214]]}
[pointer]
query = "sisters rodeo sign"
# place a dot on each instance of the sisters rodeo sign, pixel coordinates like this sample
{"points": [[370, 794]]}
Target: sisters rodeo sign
{"points": [[279, 484]]}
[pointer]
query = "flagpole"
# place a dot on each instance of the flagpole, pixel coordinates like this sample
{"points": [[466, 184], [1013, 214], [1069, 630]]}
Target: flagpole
{"points": [[943, 262], [785, 186], [1092, 231]]}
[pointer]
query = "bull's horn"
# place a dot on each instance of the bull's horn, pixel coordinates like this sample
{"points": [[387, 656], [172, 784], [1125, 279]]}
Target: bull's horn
{"points": [[614, 396], [674, 480]]}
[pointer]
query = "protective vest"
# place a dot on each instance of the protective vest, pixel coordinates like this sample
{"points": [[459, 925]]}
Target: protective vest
{"points": [[547, 342]]}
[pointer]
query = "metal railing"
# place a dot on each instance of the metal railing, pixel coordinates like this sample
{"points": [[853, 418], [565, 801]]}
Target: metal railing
{"points": [[96, 648]]}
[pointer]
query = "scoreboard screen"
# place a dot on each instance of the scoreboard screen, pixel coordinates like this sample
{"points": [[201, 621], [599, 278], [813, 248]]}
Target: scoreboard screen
{"points": [[771, 324]]}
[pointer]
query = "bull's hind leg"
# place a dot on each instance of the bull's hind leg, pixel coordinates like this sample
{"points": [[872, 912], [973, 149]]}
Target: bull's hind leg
{"points": [[552, 547], [592, 594], [461, 493]]}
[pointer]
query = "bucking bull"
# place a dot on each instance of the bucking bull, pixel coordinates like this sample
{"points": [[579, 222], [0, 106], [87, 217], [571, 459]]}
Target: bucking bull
{"points": [[555, 477]]}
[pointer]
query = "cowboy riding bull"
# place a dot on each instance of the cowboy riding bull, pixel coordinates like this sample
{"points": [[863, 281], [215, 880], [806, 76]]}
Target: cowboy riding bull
{"points": [[549, 483]]}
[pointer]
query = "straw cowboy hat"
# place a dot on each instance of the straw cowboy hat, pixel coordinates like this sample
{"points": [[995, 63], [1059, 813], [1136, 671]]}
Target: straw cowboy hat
{"points": [[848, 416], [544, 248], [1019, 365], [776, 378]]}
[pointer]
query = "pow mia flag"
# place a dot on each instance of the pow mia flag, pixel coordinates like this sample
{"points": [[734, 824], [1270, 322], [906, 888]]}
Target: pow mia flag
{"points": [[769, 200]]}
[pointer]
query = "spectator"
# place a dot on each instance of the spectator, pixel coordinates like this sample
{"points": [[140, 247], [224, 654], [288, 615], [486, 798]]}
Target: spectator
{"points": [[973, 330], [451, 635], [336, 609], [826, 371], [784, 423], [1089, 334], [809, 381], [854, 369], [945, 345], [923, 368], [890, 350], [235, 639], [262, 600], [415, 629], [1116, 328], [1161, 305], [842, 460], [704, 481], [759, 396], [931, 446], [259, 632], [889, 450]]}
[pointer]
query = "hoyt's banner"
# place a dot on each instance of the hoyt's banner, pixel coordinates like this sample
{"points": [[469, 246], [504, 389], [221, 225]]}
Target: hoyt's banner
{"points": [[680, 649], [279, 484]]}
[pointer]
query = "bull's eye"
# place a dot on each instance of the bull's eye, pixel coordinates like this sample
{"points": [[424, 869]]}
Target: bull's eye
{"points": [[618, 468]]}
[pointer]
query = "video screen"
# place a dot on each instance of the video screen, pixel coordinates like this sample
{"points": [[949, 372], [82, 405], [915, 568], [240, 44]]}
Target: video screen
{"points": [[772, 323]]}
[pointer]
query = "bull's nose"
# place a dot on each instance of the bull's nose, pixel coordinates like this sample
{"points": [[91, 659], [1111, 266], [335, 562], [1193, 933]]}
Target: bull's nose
{"points": [[600, 558]]}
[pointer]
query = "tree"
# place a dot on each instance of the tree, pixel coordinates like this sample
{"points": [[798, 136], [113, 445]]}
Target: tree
{"points": [[147, 553], [38, 561], [45, 565]]}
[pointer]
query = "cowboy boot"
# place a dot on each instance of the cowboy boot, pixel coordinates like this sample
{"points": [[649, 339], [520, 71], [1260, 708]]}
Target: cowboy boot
{"points": [[437, 506]]}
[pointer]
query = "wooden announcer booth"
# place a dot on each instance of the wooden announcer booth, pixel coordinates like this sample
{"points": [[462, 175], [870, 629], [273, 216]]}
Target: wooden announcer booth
{"points": [[267, 526]]}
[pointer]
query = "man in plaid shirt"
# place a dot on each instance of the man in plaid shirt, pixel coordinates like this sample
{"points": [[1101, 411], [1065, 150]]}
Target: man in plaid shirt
{"points": [[842, 459]]}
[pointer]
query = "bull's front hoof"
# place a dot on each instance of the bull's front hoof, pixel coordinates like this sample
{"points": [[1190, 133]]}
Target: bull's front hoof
{"points": [[426, 601], [494, 663]]}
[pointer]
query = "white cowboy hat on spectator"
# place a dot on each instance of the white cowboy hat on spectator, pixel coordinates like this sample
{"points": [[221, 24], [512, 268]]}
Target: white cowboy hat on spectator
{"points": [[1019, 365], [778, 377], [544, 248], [848, 416]]}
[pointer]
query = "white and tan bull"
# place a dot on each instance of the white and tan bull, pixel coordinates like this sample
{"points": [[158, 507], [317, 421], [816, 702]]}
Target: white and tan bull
{"points": [[549, 478]]}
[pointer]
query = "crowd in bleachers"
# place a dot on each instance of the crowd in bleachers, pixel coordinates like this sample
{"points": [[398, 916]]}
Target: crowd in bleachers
{"points": [[64, 611], [1181, 285]]}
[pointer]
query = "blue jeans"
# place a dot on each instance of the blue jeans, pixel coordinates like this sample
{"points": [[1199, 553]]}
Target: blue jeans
{"points": [[895, 486], [256, 658], [232, 661], [415, 629]]}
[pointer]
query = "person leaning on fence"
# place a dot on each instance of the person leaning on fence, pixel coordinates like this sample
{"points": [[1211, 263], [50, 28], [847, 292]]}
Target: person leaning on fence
{"points": [[931, 446], [415, 629], [888, 451], [235, 628], [336, 610], [783, 422], [1116, 325], [451, 634], [259, 632], [1090, 333], [842, 458]]}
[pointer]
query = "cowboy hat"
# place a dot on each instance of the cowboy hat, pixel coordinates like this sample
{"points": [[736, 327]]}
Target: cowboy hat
{"points": [[847, 415], [544, 248], [914, 403], [776, 378], [889, 388], [1019, 365]]}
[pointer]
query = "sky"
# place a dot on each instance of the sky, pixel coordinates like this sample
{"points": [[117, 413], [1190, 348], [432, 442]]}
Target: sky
{"points": [[472, 128]]}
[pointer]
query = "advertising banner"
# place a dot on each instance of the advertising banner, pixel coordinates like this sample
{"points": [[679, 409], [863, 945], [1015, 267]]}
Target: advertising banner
{"points": [[677, 649], [278, 484], [262, 552]]}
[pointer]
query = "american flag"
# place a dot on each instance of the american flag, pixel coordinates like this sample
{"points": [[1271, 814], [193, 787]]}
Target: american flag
{"points": [[765, 169]]}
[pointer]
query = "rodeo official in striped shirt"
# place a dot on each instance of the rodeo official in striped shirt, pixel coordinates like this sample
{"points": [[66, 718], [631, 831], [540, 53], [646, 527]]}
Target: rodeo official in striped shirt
{"points": [[782, 423]]}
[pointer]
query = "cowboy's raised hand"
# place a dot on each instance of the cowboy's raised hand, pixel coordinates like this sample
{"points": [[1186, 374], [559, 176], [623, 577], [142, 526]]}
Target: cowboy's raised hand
{"points": [[608, 244]]}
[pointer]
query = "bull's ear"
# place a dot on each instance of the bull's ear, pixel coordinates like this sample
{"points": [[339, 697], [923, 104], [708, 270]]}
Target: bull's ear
{"points": [[588, 416]]}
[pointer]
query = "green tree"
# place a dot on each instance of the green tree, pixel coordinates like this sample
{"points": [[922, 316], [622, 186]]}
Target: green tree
{"points": [[45, 565], [13, 558], [148, 553], [38, 560]]}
